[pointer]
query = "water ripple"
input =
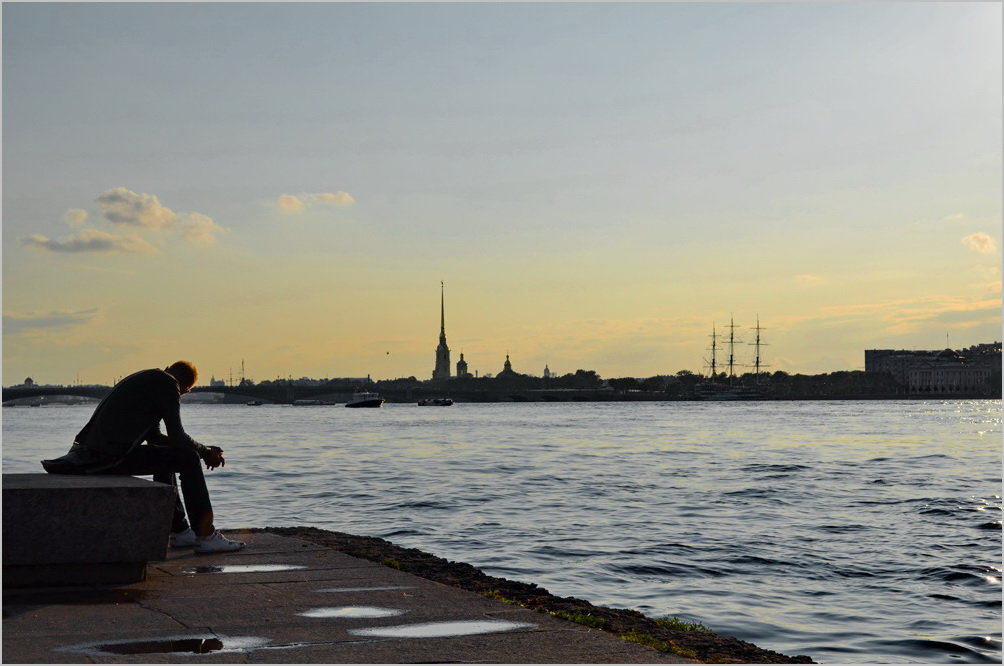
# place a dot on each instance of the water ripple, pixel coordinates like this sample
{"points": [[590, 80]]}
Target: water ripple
{"points": [[852, 532]]}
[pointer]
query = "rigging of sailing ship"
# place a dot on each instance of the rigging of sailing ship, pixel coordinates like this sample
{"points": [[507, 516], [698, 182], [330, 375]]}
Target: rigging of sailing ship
{"points": [[734, 388]]}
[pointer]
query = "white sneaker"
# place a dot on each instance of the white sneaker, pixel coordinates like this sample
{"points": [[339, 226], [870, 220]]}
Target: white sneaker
{"points": [[184, 539], [217, 543]]}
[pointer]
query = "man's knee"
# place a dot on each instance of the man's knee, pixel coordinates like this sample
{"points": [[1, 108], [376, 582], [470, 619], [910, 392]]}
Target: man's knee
{"points": [[180, 459], [190, 458]]}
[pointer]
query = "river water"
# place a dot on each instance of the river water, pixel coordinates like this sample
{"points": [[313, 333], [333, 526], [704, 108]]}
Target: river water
{"points": [[854, 532]]}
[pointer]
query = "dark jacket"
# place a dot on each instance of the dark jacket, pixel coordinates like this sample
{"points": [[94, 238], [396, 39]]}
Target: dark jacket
{"points": [[129, 415]]}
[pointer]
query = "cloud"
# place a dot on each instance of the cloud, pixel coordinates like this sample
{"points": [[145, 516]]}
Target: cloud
{"points": [[91, 240], [338, 198], [908, 316], [200, 229], [123, 206], [809, 279], [954, 217], [17, 322], [290, 204], [294, 204], [75, 217], [142, 212], [980, 242]]}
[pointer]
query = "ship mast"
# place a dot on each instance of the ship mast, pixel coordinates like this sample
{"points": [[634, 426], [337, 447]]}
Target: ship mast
{"points": [[732, 342], [757, 346], [714, 351]]}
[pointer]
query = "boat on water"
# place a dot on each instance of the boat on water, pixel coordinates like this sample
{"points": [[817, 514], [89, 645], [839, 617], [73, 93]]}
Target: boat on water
{"points": [[719, 391], [254, 403], [435, 402], [365, 399], [732, 388]]}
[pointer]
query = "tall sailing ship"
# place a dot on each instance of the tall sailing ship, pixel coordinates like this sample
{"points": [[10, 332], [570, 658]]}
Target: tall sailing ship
{"points": [[732, 388]]}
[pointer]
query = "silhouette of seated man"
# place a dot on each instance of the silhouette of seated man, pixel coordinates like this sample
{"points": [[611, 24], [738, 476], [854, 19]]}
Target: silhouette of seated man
{"points": [[123, 436]]}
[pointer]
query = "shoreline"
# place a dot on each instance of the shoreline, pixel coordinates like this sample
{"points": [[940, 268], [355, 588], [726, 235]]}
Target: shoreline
{"points": [[631, 625]]}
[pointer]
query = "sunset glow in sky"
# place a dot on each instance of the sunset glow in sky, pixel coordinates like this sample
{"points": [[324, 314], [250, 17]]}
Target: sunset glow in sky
{"points": [[597, 184]]}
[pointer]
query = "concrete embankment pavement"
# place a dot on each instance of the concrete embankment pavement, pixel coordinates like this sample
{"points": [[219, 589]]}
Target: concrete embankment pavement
{"points": [[284, 600]]}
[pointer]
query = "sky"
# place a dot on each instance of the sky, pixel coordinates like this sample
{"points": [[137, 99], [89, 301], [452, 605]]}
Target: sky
{"points": [[598, 185]]}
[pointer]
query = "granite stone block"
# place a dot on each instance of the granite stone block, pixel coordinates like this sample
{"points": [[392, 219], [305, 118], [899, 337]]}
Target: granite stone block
{"points": [[69, 529]]}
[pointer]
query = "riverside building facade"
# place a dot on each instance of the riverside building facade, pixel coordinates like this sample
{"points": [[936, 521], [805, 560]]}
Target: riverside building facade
{"points": [[944, 372]]}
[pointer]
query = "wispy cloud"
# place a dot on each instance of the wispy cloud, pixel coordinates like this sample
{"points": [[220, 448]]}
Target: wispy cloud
{"points": [[292, 204], [809, 279], [91, 240], [200, 229], [980, 242], [17, 322], [903, 316], [75, 217], [337, 199]]}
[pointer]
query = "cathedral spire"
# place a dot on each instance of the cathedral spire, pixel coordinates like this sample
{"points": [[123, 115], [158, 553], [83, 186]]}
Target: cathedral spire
{"points": [[442, 370], [442, 310]]}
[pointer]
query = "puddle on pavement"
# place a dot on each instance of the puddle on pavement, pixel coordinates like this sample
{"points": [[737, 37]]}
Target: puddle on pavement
{"points": [[200, 644], [352, 611], [367, 589], [193, 645], [441, 629], [242, 568]]}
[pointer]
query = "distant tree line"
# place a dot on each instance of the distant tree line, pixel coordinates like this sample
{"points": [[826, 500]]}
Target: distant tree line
{"points": [[783, 385], [832, 385], [580, 379]]}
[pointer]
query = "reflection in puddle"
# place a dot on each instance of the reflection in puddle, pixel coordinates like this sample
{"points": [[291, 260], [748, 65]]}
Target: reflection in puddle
{"points": [[198, 644], [242, 568], [367, 589], [441, 629], [193, 645], [352, 611]]}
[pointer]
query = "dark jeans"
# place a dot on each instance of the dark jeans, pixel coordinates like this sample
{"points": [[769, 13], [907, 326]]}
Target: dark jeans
{"points": [[166, 463]]}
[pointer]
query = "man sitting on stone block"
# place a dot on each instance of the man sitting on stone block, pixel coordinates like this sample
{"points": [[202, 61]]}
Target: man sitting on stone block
{"points": [[123, 437]]}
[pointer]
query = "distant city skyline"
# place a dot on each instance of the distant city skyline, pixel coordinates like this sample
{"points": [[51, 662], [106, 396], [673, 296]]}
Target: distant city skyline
{"points": [[598, 184]]}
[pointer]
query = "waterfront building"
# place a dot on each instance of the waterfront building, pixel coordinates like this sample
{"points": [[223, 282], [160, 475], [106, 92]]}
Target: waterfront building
{"points": [[547, 372], [948, 374], [941, 372], [442, 370]]}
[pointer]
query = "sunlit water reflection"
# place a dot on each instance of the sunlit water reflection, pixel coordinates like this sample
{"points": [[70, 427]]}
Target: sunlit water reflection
{"points": [[849, 531]]}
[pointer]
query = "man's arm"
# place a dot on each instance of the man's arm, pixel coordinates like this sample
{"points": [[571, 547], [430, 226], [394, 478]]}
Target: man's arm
{"points": [[167, 400], [176, 436], [211, 455]]}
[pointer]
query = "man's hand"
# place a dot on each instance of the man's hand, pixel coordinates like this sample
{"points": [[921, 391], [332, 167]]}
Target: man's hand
{"points": [[213, 457]]}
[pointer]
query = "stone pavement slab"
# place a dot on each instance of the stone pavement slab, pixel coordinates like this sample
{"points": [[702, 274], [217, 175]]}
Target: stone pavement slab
{"points": [[283, 600]]}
